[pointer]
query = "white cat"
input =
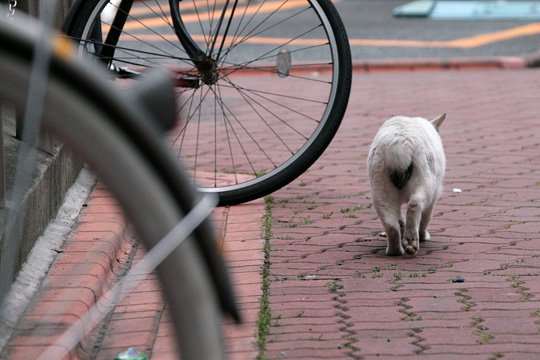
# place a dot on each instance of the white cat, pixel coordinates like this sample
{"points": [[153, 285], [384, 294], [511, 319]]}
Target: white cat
{"points": [[406, 165]]}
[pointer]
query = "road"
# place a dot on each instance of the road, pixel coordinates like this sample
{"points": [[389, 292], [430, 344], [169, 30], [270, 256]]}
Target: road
{"points": [[376, 34]]}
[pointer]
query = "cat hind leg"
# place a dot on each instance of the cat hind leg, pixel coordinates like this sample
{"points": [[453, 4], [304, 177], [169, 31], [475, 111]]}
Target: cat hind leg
{"points": [[394, 247], [424, 221], [390, 218], [411, 238]]}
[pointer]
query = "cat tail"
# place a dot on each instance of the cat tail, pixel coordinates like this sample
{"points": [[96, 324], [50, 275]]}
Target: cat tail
{"points": [[400, 178], [399, 162]]}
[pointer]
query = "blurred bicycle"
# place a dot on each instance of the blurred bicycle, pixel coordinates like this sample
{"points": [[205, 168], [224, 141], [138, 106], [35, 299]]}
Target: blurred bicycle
{"points": [[120, 137]]}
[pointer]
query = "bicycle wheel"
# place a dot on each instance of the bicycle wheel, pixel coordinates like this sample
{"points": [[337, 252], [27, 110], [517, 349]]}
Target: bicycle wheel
{"points": [[271, 105], [82, 111]]}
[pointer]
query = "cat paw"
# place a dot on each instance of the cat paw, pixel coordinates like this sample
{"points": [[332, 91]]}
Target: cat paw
{"points": [[425, 237], [411, 250], [411, 245], [394, 251]]}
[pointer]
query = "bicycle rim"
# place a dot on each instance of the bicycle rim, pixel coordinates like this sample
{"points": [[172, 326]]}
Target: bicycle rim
{"points": [[280, 90], [82, 124]]}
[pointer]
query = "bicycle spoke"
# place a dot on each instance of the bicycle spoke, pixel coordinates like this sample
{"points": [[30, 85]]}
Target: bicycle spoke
{"points": [[280, 95], [182, 132], [190, 113], [252, 34], [227, 121], [242, 17], [216, 144], [145, 57], [280, 105], [233, 68], [162, 15], [197, 138], [262, 118], [257, 12], [273, 55], [227, 28], [148, 28], [196, 9], [229, 143], [274, 50]]}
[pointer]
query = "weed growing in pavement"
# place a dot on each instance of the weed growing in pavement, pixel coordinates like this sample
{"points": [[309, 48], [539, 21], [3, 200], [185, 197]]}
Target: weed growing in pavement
{"points": [[376, 272], [536, 315], [290, 224], [353, 209], [465, 300], [517, 283], [411, 317], [481, 331], [328, 215], [265, 314], [417, 275], [407, 315], [334, 286]]}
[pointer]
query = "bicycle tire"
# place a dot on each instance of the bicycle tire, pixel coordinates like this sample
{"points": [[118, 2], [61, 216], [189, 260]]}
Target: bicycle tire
{"points": [[82, 121], [244, 138]]}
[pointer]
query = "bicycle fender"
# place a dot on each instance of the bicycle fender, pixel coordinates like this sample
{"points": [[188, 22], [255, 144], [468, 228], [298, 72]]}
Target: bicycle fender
{"points": [[155, 93], [70, 15]]}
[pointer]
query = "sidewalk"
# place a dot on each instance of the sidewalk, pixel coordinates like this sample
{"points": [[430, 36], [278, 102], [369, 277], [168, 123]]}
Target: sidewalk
{"points": [[472, 292]]}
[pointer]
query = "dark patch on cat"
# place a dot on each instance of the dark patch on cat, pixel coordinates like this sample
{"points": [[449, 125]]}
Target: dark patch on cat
{"points": [[400, 177]]}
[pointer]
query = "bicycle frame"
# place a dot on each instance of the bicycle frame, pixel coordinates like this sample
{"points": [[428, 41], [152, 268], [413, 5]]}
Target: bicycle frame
{"points": [[205, 63]]}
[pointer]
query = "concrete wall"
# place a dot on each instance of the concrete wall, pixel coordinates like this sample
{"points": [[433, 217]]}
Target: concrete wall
{"points": [[56, 169]]}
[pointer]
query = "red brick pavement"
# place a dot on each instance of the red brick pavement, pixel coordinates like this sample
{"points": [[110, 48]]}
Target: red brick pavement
{"points": [[333, 292]]}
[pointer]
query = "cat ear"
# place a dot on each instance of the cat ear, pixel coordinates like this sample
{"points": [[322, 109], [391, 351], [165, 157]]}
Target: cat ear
{"points": [[438, 121]]}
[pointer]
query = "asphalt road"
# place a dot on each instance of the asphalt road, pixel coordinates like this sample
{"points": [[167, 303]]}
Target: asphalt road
{"points": [[376, 34]]}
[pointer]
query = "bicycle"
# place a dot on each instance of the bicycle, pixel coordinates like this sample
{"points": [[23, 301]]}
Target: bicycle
{"points": [[83, 110], [264, 83]]}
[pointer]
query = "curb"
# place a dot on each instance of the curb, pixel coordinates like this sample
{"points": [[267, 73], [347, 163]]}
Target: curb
{"points": [[95, 253], [441, 64], [42, 256]]}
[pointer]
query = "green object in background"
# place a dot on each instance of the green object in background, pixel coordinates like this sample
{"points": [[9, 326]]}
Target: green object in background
{"points": [[470, 10], [131, 354], [421, 8]]}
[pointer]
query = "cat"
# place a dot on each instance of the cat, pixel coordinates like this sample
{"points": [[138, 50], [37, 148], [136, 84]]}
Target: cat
{"points": [[406, 165]]}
